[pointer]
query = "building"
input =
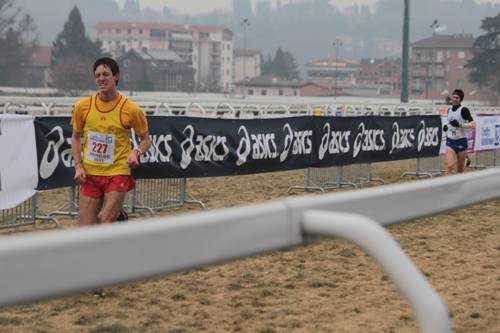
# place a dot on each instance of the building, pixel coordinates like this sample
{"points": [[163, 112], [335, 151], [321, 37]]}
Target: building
{"points": [[332, 72], [36, 72], [247, 64], [268, 85], [155, 70], [385, 72], [341, 77], [207, 48], [438, 66], [39, 67]]}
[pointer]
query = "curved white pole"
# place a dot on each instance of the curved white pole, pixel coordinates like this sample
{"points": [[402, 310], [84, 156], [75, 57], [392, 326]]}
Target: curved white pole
{"points": [[431, 313]]}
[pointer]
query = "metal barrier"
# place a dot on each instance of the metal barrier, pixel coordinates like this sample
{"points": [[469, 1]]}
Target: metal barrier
{"points": [[156, 194], [426, 167], [149, 195], [485, 159], [26, 213], [321, 179]]}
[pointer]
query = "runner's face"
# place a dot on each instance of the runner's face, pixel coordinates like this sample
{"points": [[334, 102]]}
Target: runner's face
{"points": [[455, 100], [104, 79]]}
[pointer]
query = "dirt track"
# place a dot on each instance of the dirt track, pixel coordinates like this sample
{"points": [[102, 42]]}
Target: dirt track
{"points": [[329, 286]]}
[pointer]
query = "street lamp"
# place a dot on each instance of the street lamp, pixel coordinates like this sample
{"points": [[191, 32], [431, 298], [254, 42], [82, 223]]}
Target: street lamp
{"points": [[434, 26], [244, 24], [337, 44]]}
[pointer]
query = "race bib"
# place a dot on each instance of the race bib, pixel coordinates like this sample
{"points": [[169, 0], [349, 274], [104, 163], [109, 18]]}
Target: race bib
{"points": [[101, 148]]}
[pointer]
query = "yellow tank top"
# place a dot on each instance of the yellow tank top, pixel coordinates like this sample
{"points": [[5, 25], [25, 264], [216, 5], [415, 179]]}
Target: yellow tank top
{"points": [[106, 142]]}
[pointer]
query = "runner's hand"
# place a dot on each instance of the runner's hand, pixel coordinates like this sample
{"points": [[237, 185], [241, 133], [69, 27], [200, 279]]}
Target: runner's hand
{"points": [[80, 174], [133, 159], [445, 128]]}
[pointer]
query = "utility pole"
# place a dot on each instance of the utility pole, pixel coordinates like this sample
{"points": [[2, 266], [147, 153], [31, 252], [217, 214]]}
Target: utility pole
{"points": [[434, 26], [245, 23], [337, 44], [405, 55]]}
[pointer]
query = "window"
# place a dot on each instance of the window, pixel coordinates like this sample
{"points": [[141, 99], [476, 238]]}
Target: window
{"points": [[140, 31], [158, 33], [461, 54], [118, 31], [126, 63], [250, 91], [126, 77], [263, 92], [129, 31], [280, 92]]}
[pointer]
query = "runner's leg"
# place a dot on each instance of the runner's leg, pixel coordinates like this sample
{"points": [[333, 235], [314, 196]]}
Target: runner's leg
{"points": [[449, 161], [461, 161], [88, 210], [113, 202]]}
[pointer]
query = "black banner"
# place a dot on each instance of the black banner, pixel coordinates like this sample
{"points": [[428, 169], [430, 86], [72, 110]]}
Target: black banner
{"points": [[200, 147]]}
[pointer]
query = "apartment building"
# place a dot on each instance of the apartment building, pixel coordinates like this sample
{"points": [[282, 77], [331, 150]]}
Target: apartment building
{"points": [[207, 48], [268, 85], [155, 70], [438, 66], [247, 64], [381, 71]]}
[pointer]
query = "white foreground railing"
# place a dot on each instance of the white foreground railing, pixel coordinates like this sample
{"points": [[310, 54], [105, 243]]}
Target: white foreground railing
{"points": [[56, 263]]}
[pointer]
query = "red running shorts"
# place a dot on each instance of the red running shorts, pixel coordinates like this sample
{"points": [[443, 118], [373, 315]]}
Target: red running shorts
{"points": [[96, 186]]}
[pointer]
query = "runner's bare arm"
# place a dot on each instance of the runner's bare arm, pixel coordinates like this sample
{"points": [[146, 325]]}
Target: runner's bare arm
{"points": [[144, 144], [76, 151]]}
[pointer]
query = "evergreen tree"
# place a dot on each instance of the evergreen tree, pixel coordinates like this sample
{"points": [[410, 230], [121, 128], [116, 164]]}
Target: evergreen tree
{"points": [[17, 38], [267, 66], [485, 64], [131, 10], [73, 54], [283, 65]]}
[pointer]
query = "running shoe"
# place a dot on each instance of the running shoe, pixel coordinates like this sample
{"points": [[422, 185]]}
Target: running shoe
{"points": [[468, 161], [123, 217]]}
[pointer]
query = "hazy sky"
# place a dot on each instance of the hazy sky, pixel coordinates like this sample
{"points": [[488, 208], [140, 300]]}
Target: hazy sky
{"points": [[198, 6]]}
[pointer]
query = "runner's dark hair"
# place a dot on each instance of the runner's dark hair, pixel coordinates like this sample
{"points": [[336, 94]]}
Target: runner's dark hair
{"points": [[109, 63]]}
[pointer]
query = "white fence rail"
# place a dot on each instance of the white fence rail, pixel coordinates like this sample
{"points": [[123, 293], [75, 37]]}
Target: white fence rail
{"points": [[232, 108], [56, 263]]}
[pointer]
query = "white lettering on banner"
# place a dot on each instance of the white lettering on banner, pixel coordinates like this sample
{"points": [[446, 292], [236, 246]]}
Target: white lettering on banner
{"points": [[427, 136], [160, 150], [402, 137], [51, 156], [368, 140], [244, 147], [262, 146], [334, 142], [298, 141], [205, 147]]}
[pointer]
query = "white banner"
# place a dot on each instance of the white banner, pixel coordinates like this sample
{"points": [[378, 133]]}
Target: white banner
{"points": [[487, 132], [18, 163]]}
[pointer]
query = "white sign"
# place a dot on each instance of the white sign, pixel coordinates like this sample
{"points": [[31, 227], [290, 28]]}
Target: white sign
{"points": [[487, 132], [18, 163]]}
